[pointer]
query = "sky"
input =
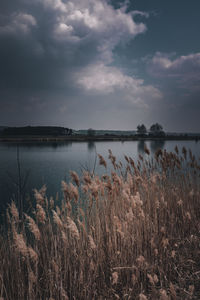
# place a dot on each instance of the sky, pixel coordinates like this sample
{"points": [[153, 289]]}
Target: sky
{"points": [[102, 64]]}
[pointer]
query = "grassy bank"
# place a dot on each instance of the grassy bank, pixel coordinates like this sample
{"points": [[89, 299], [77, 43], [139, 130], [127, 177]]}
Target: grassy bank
{"points": [[131, 235], [86, 138]]}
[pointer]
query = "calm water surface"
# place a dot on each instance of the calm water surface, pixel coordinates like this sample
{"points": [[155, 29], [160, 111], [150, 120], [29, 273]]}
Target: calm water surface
{"points": [[49, 164]]}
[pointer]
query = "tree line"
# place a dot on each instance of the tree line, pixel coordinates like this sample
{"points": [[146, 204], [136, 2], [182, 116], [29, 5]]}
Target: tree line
{"points": [[36, 130]]}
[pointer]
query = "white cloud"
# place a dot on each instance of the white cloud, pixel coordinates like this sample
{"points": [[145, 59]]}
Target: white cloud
{"points": [[18, 22], [185, 66], [179, 79], [140, 13], [92, 21], [54, 4], [99, 26], [64, 32], [104, 80], [78, 23]]}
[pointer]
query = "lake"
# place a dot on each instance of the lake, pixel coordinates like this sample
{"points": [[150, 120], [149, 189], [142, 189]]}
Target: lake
{"points": [[50, 163]]}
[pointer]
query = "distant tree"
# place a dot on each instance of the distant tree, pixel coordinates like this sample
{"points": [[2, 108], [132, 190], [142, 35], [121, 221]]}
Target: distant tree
{"points": [[70, 131], [156, 129], [141, 129], [91, 132]]}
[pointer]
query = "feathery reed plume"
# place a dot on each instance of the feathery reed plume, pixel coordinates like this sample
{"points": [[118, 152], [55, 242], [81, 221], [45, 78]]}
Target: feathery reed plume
{"points": [[81, 211], [184, 151], [140, 260], [66, 190], [142, 297], [42, 191], [127, 159], [57, 219], [20, 244], [130, 215], [155, 278], [40, 214], [115, 277], [146, 150], [94, 189], [75, 178], [92, 243], [14, 211], [176, 149], [102, 161], [33, 255], [87, 178], [33, 227], [73, 192], [85, 188], [151, 280], [112, 158], [32, 277], [172, 290], [51, 203], [64, 237], [116, 179], [158, 153], [39, 197], [163, 295], [73, 228], [191, 290]]}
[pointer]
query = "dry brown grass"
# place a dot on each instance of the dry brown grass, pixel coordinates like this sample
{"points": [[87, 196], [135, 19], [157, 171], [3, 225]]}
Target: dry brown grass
{"points": [[131, 235]]}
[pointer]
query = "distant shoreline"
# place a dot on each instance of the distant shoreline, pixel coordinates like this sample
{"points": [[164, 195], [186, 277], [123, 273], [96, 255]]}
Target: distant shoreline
{"points": [[85, 138]]}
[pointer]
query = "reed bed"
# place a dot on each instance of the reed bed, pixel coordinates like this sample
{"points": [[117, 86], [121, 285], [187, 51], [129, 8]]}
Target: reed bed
{"points": [[133, 234]]}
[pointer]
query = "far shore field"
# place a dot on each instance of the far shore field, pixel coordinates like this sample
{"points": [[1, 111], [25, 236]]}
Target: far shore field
{"points": [[84, 138]]}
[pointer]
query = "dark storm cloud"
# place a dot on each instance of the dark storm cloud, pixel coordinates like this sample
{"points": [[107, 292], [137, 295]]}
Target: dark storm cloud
{"points": [[74, 63], [31, 57], [41, 47], [56, 57]]}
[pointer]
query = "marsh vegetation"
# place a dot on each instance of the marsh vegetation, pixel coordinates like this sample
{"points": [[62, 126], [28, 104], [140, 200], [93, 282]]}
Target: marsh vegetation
{"points": [[129, 234]]}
